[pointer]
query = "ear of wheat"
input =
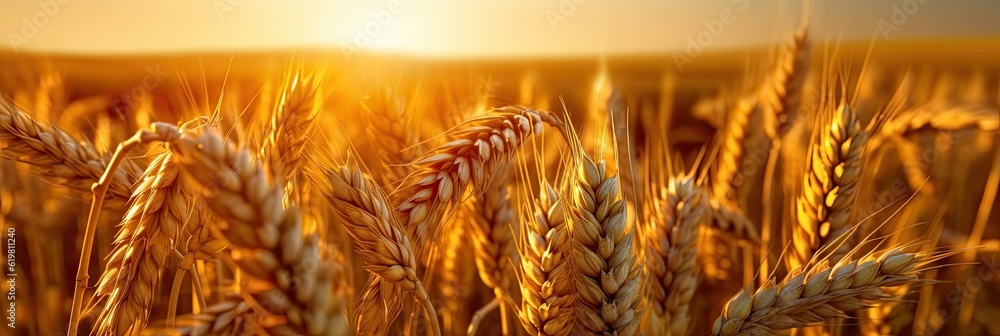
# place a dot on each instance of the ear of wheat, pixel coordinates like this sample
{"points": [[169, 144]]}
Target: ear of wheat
{"points": [[544, 273], [442, 176], [780, 95], [724, 185], [818, 291], [605, 253], [388, 130], [156, 214], [383, 244], [287, 277], [495, 222], [290, 128], [56, 155], [671, 253], [829, 187]]}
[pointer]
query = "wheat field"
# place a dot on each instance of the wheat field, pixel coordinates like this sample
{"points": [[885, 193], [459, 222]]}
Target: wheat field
{"points": [[808, 188]]}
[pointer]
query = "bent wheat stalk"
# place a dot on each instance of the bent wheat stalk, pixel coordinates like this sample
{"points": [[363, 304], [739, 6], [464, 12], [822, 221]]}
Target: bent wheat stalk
{"points": [[383, 245], [286, 276]]}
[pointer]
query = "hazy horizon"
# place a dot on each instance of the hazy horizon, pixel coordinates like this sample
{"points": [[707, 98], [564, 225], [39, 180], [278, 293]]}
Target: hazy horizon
{"points": [[452, 28]]}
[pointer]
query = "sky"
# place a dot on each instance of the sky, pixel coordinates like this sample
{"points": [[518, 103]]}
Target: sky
{"points": [[468, 28]]}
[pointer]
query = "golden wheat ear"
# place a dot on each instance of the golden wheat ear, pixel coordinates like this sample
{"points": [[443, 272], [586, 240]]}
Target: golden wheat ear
{"points": [[442, 176], [383, 244], [808, 295], [58, 157]]}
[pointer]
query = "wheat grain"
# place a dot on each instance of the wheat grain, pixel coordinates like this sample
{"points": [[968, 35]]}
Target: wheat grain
{"points": [[818, 291], [380, 239], [287, 277], [55, 155], [475, 150], [546, 284], [675, 213]]}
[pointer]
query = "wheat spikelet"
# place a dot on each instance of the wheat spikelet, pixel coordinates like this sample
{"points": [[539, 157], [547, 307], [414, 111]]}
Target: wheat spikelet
{"points": [[818, 291], [605, 255], [156, 214], [290, 128], [675, 213], [54, 154], [477, 148], [382, 242], [287, 278], [829, 186], [544, 274]]}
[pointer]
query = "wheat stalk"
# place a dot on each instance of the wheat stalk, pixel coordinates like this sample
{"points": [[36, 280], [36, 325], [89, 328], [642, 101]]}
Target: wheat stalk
{"points": [[441, 177], [605, 254], [382, 242], [287, 278], [57, 156], [544, 275], [674, 215], [818, 291], [829, 186]]}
